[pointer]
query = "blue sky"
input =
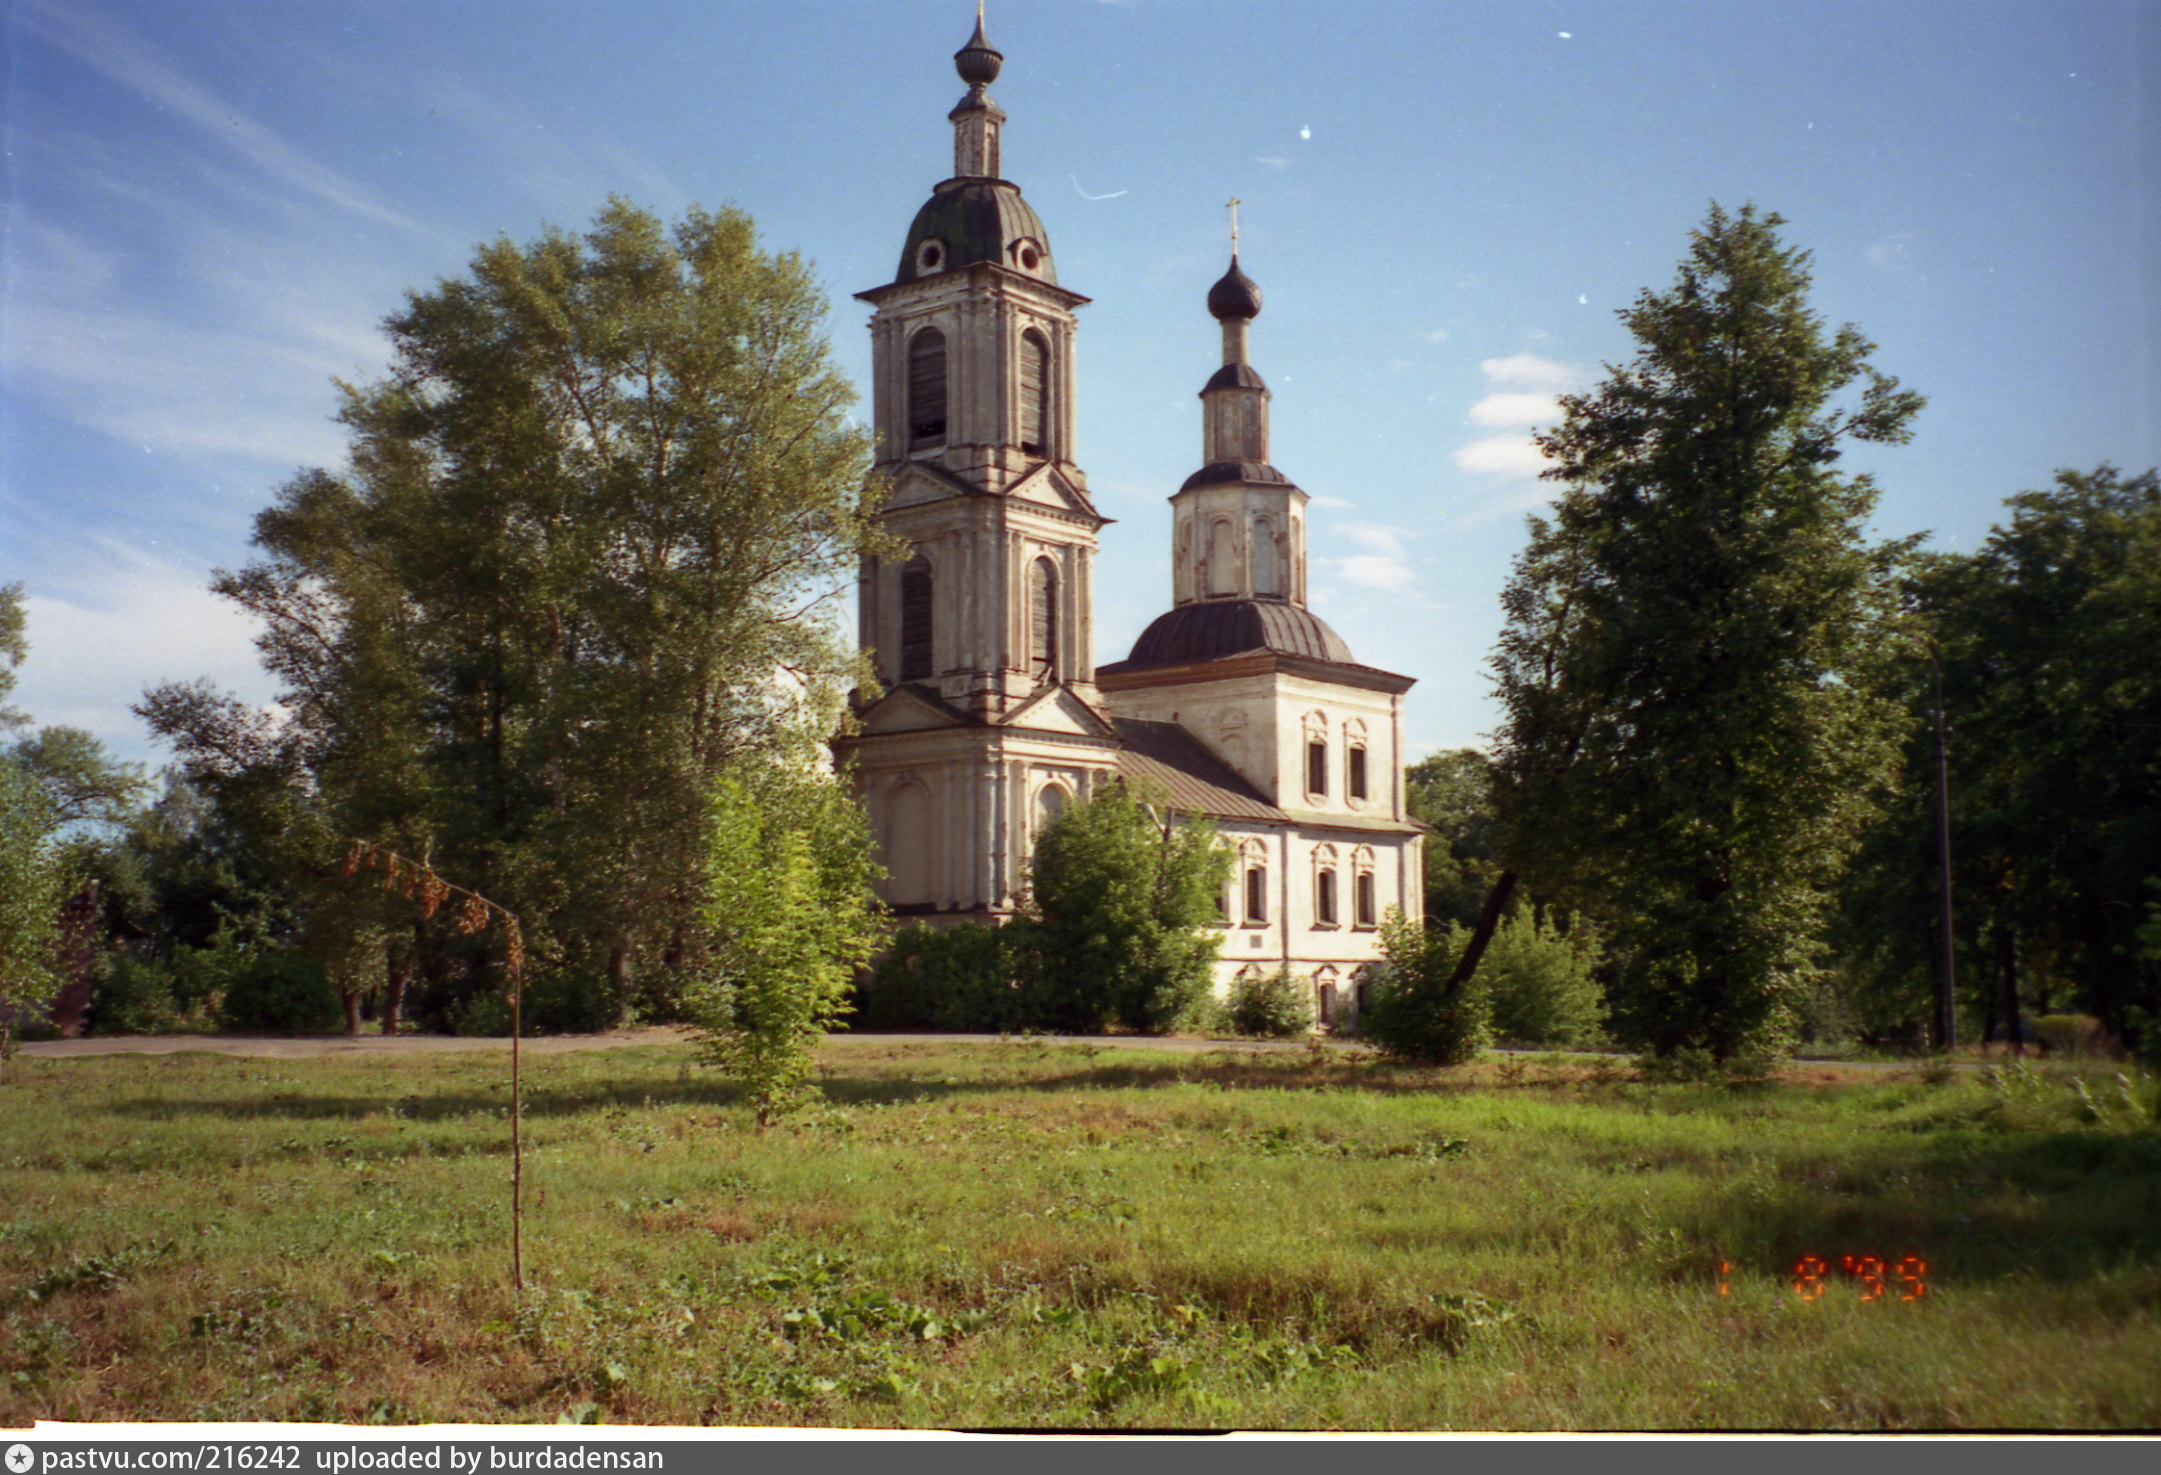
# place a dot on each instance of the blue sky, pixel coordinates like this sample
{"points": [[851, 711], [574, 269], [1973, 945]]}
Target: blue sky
{"points": [[211, 206]]}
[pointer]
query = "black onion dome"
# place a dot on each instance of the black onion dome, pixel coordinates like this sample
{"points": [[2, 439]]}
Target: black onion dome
{"points": [[974, 220], [1236, 296], [1226, 473], [1218, 629], [1235, 376], [978, 62]]}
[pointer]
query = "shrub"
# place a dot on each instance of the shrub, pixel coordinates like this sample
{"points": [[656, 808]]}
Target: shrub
{"points": [[2073, 1034], [281, 991], [970, 980], [1272, 1006], [570, 1001], [134, 996], [1541, 984], [1413, 1014], [484, 1015]]}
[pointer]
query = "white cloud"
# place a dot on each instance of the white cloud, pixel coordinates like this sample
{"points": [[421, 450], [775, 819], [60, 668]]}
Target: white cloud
{"points": [[1528, 371], [1272, 161], [1385, 565], [135, 620], [1502, 455], [1438, 335], [1893, 253], [1516, 409], [1330, 502]]}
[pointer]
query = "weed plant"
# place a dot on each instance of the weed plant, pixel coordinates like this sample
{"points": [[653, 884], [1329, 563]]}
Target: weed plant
{"points": [[1033, 1235]]}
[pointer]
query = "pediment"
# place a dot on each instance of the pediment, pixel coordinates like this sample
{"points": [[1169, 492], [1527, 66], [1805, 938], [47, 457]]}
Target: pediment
{"points": [[905, 709], [1046, 486], [1057, 709], [919, 482]]}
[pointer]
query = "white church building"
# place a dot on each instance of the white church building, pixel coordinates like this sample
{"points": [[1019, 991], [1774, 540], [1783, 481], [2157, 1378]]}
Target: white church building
{"points": [[1239, 704]]}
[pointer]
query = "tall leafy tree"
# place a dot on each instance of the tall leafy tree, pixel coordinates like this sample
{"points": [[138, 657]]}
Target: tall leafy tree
{"points": [[578, 570], [32, 887], [2045, 638], [1694, 738]]}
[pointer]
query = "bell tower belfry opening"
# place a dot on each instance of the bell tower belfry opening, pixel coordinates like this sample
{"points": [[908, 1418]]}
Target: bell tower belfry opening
{"points": [[981, 632]]}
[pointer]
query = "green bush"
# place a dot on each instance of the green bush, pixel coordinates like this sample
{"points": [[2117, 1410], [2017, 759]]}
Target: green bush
{"points": [[1541, 983], [1273, 1006], [481, 1016], [969, 980], [1413, 1014], [570, 1001], [133, 996], [2073, 1034], [281, 991]]}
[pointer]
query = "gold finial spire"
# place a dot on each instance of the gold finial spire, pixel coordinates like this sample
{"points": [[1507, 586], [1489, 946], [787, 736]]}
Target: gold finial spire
{"points": [[1232, 206]]}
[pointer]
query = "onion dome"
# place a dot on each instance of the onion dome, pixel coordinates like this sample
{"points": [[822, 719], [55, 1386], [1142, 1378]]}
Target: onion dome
{"points": [[978, 62], [971, 220], [1236, 296], [1219, 629]]}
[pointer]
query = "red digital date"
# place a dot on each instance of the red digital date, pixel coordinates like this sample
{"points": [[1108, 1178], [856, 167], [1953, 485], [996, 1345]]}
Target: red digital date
{"points": [[1878, 1277]]}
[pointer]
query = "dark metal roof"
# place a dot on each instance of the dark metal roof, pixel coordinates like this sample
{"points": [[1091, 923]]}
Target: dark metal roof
{"points": [[1219, 629], [1235, 376], [976, 220], [1165, 757], [1215, 473], [1235, 296]]}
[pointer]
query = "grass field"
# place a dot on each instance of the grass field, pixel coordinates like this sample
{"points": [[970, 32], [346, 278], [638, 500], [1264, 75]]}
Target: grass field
{"points": [[1008, 1235]]}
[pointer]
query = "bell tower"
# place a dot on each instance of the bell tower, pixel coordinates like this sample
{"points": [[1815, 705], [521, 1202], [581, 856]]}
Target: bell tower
{"points": [[981, 631], [1239, 524]]}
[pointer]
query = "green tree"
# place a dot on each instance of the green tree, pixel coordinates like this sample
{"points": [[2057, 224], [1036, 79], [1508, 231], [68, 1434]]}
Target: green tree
{"points": [[2045, 638], [1453, 793], [1543, 982], [32, 888], [1423, 1010], [581, 568], [14, 648], [1694, 739], [1123, 917], [789, 917]]}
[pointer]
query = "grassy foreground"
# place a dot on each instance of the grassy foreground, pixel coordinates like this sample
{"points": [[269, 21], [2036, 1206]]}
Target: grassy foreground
{"points": [[1029, 1235]]}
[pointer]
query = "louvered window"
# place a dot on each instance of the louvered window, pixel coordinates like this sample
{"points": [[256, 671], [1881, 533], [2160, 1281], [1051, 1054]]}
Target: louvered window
{"points": [[915, 620], [1043, 620], [926, 390], [1034, 394]]}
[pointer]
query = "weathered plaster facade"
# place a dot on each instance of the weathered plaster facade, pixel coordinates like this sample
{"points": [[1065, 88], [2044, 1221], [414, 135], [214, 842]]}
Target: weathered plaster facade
{"points": [[1239, 704]]}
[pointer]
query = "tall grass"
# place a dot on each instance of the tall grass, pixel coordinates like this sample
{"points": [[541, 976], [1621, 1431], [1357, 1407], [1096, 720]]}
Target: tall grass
{"points": [[1041, 1236]]}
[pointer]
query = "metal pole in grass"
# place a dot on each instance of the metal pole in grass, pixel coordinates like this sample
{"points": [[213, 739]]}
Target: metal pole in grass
{"points": [[417, 882]]}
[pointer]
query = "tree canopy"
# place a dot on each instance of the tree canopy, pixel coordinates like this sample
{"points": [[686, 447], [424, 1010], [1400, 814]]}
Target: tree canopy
{"points": [[579, 567], [1694, 737]]}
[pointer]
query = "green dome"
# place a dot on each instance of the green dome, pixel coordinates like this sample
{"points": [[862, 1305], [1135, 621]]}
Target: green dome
{"points": [[973, 220]]}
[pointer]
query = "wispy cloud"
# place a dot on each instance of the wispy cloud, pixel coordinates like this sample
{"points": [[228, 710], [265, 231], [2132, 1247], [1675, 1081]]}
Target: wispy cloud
{"points": [[1528, 371], [120, 55], [1331, 503], [1385, 564], [1516, 409], [127, 622], [1501, 455]]}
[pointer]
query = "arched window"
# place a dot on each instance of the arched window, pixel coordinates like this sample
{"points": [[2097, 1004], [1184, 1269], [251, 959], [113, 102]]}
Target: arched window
{"points": [[1354, 760], [1267, 559], [1222, 557], [926, 390], [1365, 908], [1035, 416], [915, 619], [1316, 727], [1324, 886], [1327, 997], [1256, 893], [1043, 620]]}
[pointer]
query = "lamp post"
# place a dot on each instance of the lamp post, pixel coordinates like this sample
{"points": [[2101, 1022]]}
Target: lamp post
{"points": [[1946, 1014]]}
